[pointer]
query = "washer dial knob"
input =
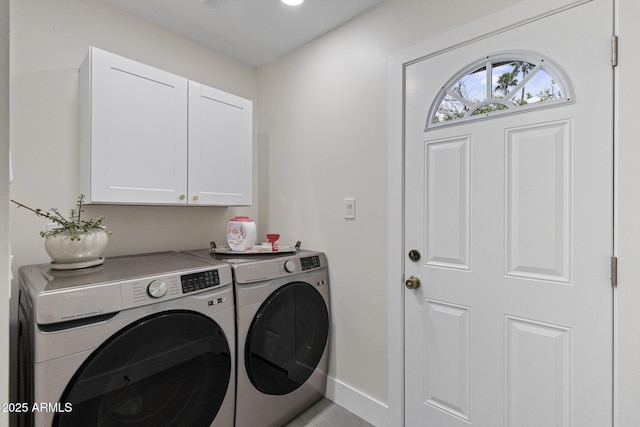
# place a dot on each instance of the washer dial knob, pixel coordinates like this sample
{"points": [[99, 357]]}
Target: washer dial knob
{"points": [[157, 289], [290, 266]]}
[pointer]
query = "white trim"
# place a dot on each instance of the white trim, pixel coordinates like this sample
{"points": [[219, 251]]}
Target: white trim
{"points": [[366, 407], [395, 244], [616, 221], [518, 14]]}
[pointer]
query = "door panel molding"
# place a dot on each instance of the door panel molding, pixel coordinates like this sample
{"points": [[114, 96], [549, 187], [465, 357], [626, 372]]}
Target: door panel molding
{"points": [[538, 226], [533, 350], [448, 184]]}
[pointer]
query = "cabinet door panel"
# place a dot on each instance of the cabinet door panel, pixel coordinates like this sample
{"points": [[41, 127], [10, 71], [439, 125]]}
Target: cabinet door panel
{"points": [[138, 132], [220, 147]]}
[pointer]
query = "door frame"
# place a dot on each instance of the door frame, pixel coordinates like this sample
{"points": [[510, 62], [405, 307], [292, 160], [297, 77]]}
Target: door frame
{"points": [[517, 15]]}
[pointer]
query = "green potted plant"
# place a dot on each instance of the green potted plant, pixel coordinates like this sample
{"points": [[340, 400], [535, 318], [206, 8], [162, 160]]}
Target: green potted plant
{"points": [[74, 242]]}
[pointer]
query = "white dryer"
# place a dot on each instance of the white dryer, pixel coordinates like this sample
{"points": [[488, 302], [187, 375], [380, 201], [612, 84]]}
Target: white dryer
{"points": [[146, 340], [283, 321]]}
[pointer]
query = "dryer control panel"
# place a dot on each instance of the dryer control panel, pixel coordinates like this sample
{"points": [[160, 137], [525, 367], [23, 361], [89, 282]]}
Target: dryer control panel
{"points": [[262, 269], [311, 262]]}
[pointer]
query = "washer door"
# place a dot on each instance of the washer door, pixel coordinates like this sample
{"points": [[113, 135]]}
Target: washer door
{"points": [[172, 368], [286, 339]]}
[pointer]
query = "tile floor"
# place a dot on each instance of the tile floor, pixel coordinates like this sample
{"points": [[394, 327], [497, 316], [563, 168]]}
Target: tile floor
{"points": [[325, 413]]}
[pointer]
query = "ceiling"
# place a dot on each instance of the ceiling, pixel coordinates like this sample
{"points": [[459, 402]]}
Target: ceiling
{"points": [[254, 32]]}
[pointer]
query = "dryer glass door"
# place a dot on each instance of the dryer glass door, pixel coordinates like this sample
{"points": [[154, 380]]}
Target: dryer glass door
{"points": [[286, 339], [168, 369]]}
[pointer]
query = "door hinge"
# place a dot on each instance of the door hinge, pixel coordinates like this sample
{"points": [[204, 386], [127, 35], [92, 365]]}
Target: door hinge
{"points": [[614, 51], [614, 271]]}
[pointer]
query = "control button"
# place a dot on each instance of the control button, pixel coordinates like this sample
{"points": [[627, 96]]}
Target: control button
{"points": [[290, 266], [157, 289]]}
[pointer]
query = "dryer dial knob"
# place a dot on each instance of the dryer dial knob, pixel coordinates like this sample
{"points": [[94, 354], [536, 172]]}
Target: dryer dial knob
{"points": [[290, 266], [157, 289]]}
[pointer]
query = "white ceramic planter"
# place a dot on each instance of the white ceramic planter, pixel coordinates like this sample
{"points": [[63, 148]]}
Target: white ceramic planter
{"points": [[77, 253]]}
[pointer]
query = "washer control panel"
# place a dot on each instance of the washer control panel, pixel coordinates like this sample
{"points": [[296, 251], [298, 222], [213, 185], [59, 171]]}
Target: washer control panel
{"points": [[148, 290], [198, 281]]}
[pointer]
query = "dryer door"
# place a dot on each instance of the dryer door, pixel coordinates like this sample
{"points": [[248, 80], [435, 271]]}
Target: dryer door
{"points": [[169, 369], [286, 339]]}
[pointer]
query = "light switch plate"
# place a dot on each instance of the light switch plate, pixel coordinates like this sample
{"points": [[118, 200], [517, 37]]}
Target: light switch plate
{"points": [[350, 208]]}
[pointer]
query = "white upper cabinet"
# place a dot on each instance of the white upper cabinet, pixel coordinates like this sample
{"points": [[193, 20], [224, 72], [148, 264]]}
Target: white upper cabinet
{"points": [[152, 137], [133, 132], [220, 147]]}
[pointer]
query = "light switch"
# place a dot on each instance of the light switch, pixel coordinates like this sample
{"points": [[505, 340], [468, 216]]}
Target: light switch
{"points": [[350, 208]]}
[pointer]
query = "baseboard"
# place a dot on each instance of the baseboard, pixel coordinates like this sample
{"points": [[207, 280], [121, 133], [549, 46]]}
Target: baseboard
{"points": [[366, 407]]}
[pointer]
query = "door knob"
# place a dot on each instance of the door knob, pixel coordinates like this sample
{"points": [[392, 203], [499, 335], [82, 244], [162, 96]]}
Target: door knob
{"points": [[414, 255], [413, 282]]}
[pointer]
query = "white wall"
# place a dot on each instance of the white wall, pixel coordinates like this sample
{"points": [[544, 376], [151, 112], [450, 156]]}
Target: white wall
{"points": [[49, 40], [4, 206], [323, 130]]}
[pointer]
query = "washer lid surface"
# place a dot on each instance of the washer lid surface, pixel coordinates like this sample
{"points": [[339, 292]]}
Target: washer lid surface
{"points": [[114, 269], [120, 283]]}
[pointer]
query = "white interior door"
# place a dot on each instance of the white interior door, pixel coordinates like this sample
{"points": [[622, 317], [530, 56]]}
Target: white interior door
{"points": [[512, 214]]}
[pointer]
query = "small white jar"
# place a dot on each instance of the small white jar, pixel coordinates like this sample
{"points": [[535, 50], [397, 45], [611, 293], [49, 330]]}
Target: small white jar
{"points": [[241, 233]]}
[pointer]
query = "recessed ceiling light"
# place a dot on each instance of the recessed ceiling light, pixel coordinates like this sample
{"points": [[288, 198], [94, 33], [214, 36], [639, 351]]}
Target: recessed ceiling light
{"points": [[292, 2]]}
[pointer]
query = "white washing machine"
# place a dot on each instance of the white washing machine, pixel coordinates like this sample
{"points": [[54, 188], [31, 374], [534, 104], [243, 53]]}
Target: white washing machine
{"points": [[146, 340], [282, 303]]}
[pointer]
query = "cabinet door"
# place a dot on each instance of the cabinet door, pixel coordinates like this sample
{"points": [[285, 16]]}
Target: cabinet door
{"points": [[138, 132], [220, 147]]}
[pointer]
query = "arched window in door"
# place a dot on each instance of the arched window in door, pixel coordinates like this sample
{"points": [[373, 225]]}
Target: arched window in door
{"points": [[507, 82]]}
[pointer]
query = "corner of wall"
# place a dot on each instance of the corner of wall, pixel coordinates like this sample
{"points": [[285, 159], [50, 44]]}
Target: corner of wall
{"points": [[4, 205]]}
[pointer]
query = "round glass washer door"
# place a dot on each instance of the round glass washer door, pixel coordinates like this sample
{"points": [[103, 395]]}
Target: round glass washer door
{"points": [[168, 369], [286, 339]]}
